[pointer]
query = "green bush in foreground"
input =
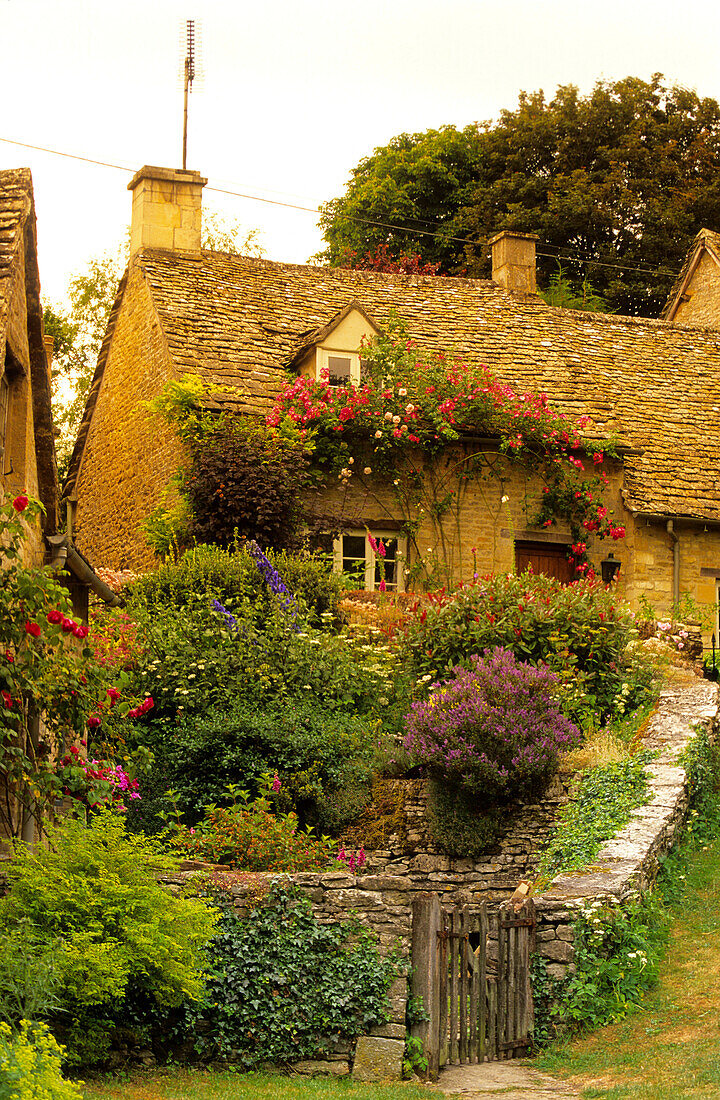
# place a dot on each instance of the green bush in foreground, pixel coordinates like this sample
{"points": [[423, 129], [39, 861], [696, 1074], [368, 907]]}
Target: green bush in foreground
{"points": [[92, 900], [30, 1061]]}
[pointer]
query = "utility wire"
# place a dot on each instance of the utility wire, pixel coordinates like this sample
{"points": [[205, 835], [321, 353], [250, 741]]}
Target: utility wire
{"points": [[578, 258]]}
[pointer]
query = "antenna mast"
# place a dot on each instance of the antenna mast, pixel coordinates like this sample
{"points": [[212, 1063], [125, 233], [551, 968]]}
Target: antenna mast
{"points": [[189, 77]]}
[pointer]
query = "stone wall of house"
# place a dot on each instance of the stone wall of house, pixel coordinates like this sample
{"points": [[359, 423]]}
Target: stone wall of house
{"points": [[484, 522], [130, 455], [19, 472], [702, 310]]}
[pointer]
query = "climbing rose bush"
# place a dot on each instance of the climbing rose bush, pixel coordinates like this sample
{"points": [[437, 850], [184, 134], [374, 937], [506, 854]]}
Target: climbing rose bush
{"points": [[495, 729]]}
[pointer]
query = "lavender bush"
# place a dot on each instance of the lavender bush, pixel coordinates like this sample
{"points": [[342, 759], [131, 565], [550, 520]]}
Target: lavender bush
{"points": [[496, 729]]}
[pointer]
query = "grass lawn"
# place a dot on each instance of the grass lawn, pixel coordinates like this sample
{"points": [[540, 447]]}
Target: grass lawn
{"points": [[670, 1047], [199, 1085]]}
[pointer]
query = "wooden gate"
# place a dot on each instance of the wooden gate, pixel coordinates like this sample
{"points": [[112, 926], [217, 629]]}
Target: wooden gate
{"points": [[471, 969]]}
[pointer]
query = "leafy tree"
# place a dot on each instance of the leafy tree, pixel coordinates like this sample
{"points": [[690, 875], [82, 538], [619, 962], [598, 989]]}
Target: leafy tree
{"points": [[419, 181], [612, 182]]}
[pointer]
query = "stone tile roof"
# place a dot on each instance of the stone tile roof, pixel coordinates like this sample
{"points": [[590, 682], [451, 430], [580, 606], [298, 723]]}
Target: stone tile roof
{"points": [[15, 205], [239, 323]]}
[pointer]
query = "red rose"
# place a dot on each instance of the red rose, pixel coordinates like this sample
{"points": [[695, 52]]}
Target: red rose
{"points": [[68, 626], [9, 657], [80, 631], [93, 721], [7, 698], [54, 616], [20, 503], [33, 629], [114, 695]]}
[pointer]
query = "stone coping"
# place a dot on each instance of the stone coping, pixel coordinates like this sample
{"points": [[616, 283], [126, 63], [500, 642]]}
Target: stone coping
{"points": [[629, 862]]}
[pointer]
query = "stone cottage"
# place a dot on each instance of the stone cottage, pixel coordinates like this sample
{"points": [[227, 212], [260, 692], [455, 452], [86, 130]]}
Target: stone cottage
{"points": [[27, 446], [241, 324], [27, 441]]}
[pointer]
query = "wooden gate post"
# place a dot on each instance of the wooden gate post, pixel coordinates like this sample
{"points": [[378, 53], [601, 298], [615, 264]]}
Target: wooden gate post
{"points": [[425, 977]]}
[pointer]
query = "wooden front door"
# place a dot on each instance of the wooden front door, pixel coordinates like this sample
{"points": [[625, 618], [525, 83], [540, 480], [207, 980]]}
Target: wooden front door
{"points": [[550, 558]]}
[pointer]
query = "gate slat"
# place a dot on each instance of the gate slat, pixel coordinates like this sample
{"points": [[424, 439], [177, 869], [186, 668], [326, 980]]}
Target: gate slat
{"points": [[453, 953], [443, 1048], [463, 983], [501, 987], [482, 985], [492, 1018], [511, 1020]]}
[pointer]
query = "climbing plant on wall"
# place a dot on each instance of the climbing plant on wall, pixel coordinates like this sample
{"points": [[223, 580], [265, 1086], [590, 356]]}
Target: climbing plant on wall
{"points": [[432, 427]]}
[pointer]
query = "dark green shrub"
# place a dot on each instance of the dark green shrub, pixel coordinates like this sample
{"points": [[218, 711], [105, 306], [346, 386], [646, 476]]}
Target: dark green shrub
{"points": [[93, 897], [459, 825], [281, 986], [322, 756]]}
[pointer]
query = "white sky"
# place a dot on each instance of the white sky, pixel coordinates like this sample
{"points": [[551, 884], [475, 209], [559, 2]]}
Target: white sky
{"points": [[294, 93]]}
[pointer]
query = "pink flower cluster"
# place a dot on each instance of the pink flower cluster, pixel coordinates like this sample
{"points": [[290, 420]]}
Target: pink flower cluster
{"points": [[353, 860]]}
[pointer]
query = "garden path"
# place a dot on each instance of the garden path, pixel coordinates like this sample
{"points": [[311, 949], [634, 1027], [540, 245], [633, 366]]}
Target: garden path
{"points": [[514, 1080]]}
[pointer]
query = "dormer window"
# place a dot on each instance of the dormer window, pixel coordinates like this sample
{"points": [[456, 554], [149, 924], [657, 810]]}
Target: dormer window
{"points": [[341, 368]]}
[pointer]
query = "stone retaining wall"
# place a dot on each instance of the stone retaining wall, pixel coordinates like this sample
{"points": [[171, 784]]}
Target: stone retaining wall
{"points": [[411, 853], [629, 863]]}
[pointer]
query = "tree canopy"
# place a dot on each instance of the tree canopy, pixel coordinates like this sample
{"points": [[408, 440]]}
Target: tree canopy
{"points": [[616, 184]]}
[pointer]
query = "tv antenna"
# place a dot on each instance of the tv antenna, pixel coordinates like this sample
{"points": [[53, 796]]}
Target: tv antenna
{"points": [[189, 77]]}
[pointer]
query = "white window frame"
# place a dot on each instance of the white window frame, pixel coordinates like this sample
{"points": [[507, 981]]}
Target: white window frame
{"points": [[371, 559], [325, 354]]}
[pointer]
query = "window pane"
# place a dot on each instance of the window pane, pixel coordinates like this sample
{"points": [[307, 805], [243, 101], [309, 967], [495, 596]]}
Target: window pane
{"points": [[353, 546], [339, 369]]}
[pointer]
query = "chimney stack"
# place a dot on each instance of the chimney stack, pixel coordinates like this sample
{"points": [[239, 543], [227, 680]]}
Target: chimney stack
{"points": [[166, 209], [513, 261]]}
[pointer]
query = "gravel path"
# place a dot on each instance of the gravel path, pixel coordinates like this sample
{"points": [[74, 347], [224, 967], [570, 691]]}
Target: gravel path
{"points": [[514, 1080]]}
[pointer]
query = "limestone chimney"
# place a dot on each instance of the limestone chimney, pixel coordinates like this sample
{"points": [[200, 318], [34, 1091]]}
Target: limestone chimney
{"points": [[166, 209], [513, 261]]}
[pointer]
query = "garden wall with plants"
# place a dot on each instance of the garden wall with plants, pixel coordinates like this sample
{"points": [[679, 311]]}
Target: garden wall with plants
{"points": [[580, 912], [404, 826]]}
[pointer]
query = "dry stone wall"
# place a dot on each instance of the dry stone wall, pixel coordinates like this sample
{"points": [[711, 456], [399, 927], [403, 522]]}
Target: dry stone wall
{"points": [[630, 862]]}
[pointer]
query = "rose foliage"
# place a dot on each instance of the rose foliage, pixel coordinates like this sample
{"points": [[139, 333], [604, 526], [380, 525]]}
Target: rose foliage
{"points": [[496, 729], [50, 683], [409, 405]]}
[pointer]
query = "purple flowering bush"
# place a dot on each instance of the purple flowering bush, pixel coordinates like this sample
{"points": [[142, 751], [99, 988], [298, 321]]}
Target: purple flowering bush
{"points": [[496, 729]]}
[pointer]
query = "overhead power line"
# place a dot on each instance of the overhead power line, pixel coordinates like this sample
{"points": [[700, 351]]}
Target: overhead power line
{"points": [[658, 272]]}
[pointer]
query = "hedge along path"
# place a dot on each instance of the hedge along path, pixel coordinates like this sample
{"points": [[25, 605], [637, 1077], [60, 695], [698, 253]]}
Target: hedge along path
{"points": [[669, 1047]]}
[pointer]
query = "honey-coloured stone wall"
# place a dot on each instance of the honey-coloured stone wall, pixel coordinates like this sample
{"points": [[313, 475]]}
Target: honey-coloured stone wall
{"points": [[130, 455]]}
